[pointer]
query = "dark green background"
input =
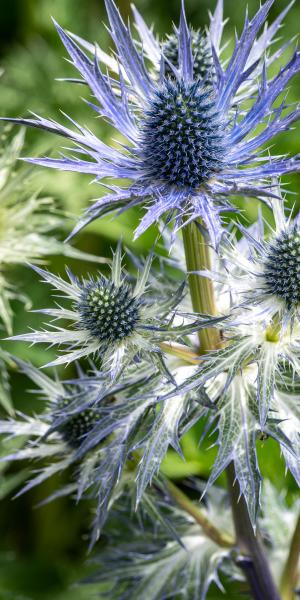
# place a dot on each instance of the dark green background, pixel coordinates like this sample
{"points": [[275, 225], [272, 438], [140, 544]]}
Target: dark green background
{"points": [[42, 550]]}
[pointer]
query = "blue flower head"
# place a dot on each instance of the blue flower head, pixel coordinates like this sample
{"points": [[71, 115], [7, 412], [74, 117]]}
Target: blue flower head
{"points": [[182, 138], [192, 143]]}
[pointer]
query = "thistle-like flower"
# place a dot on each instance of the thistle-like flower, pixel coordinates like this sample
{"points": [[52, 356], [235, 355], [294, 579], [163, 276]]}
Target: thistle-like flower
{"points": [[191, 145], [202, 56], [114, 320]]}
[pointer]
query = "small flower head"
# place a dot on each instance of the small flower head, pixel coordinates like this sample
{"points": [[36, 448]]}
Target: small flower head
{"points": [[202, 56], [116, 320], [109, 312], [76, 428], [281, 266], [263, 271]]}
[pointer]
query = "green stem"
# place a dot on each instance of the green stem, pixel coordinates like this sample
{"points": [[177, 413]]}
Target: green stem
{"points": [[253, 563], [197, 254], [292, 567], [219, 537]]}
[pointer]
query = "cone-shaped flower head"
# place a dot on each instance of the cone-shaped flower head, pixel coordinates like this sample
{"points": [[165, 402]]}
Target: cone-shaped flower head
{"points": [[109, 312], [263, 272], [182, 136], [190, 143], [77, 427]]}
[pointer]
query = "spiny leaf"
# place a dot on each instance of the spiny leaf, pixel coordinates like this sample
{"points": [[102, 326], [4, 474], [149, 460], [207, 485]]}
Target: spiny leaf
{"points": [[237, 429]]}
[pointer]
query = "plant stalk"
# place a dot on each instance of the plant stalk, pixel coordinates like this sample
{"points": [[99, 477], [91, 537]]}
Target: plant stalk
{"points": [[197, 255], [180, 351], [292, 567], [252, 560]]}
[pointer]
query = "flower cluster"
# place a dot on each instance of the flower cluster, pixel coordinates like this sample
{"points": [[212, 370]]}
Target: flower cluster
{"points": [[207, 326]]}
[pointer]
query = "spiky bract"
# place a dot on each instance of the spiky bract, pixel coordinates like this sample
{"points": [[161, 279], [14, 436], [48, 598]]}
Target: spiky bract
{"points": [[96, 425], [27, 226], [28, 223], [202, 56], [260, 351]]}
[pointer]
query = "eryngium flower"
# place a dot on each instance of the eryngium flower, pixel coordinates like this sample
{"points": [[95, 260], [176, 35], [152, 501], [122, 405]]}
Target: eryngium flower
{"points": [[281, 267], [115, 320], [204, 141], [78, 425], [253, 379], [263, 273]]}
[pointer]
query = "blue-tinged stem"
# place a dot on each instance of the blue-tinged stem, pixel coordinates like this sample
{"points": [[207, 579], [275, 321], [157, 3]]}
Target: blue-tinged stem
{"points": [[252, 559]]}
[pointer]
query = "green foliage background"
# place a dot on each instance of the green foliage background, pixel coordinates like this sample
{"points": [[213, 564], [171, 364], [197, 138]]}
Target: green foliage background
{"points": [[42, 550]]}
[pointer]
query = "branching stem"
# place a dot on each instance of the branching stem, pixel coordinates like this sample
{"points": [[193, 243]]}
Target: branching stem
{"points": [[180, 351], [252, 559]]}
